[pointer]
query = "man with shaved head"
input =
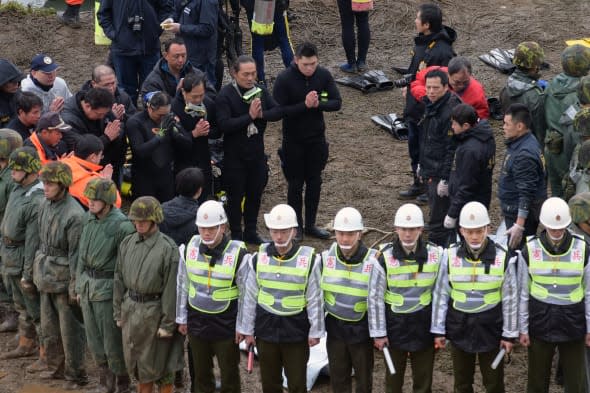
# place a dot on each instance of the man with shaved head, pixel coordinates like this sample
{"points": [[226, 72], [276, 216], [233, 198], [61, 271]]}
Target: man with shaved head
{"points": [[104, 77]]}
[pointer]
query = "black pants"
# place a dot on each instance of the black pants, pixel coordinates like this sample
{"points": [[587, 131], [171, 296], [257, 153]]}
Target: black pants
{"points": [[414, 144], [464, 369], [347, 20], [244, 179], [439, 206], [159, 184], [303, 163]]}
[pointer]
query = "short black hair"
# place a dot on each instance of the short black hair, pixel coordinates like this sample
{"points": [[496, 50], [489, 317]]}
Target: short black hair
{"points": [[175, 40], [306, 49], [99, 98], [194, 79], [438, 73], [464, 113], [242, 59], [27, 101], [458, 64], [158, 99], [432, 14], [189, 181], [520, 114], [86, 145]]}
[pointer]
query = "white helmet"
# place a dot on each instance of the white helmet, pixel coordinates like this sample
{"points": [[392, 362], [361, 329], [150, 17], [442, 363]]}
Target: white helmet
{"points": [[210, 214], [474, 215], [281, 217], [348, 219], [409, 216], [555, 214]]}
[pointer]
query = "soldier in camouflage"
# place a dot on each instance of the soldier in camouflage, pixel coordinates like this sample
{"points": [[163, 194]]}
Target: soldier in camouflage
{"points": [[523, 85], [574, 180], [9, 140], [144, 299], [561, 93], [104, 228], [20, 240], [54, 273]]}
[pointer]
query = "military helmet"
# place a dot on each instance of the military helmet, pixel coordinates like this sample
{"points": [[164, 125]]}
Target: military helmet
{"points": [[582, 122], [24, 159], [584, 90], [56, 172], [580, 207], [584, 155], [9, 140], [102, 190], [146, 208], [528, 55], [575, 60]]}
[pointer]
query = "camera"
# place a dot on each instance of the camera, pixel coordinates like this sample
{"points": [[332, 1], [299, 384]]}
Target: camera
{"points": [[403, 82], [135, 22]]}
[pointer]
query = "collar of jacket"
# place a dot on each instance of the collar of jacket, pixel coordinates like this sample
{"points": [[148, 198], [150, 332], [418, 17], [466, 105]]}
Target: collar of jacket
{"points": [[481, 131], [357, 257], [216, 252], [272, 251], [513, 142], [420, 255], [432, 107], [487, 256], [39, 85], [556, 249]]}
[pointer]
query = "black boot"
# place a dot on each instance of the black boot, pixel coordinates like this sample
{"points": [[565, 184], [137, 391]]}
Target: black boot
{"points": [[317, 232], [415, 189], [70, 17]]}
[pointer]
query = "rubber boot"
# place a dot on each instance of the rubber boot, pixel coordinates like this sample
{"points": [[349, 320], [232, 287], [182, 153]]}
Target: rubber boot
{"points": [[10, 324], [70, 17], [167, 388], [40, 364], [123, 384], [26, 347], [415, 189]]}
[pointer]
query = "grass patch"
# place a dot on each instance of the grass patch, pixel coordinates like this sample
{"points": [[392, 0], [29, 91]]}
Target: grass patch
{"points": [[17, 9]]}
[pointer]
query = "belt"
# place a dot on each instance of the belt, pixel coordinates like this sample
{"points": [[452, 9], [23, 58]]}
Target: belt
{"points": [[92, 273], [53, 251], [143, 298], [10, 243]]}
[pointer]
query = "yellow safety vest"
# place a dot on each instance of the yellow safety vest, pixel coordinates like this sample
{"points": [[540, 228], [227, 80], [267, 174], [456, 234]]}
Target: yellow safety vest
{"points": [[263, 17]]}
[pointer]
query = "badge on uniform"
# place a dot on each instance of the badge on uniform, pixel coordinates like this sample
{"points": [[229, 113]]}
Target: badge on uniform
{"points": [[228, 260], [432, 257], [193, 253], [302, 262], [368, 267], [392, 262], [537, 254], [331, 262], [263, 259], [577, 256], [456, 261]]}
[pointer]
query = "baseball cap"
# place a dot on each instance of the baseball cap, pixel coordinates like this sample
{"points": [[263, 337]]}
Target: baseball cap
{"points": [[52, 121], [44, 63]]}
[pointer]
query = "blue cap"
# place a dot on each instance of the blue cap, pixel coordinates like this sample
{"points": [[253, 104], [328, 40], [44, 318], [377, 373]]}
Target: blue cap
{"points": [[44, 63]]}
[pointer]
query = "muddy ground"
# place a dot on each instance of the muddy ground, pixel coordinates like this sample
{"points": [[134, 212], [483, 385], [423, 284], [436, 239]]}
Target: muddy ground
{"points": [[367, 167]]}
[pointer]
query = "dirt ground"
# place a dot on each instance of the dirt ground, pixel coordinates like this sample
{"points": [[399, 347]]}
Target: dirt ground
{"points": [[367, 167]]}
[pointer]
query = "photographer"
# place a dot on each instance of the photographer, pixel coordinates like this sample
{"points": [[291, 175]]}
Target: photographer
{"points": [[151, 136]]}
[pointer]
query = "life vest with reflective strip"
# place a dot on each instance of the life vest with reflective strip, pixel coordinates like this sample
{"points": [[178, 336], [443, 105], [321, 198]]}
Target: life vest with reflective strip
{"points": [[282, 283], [362, 5], [472, 289], [346, 286], [557, 279], [212, 288], [409, 290], [263, 17]]}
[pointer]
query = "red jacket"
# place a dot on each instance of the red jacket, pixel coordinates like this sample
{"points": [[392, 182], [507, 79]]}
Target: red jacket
{"points": [[473, 95]]}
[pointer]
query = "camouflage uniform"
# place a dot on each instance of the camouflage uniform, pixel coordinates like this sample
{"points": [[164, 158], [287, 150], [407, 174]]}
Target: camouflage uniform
{"points": [[60, 225], [577, 179], [144, 299], [97, 257], [521, 87], [559, 96]]}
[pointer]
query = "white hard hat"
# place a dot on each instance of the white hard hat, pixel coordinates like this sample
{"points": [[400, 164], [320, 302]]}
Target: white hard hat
{"points": [[211, 214], [474, 215], [409, 216], [555, 214], [348, 219], [281, 217]]}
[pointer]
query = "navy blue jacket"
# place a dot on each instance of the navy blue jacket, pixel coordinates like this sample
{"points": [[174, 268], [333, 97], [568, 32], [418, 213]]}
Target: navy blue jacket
{"points": [[113, 17], [179, 219], [473, 166], [198, 28], [522, 179]]}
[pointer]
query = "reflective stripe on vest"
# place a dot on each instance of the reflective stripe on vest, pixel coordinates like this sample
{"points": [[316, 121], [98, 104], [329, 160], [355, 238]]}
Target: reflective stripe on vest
{"points": [[282, 283], [345, 286], [407, 289], [557, 279], [210, 288], [472, 289], [263, 17]]}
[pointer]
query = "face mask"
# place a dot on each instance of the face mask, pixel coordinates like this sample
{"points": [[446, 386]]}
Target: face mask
{"points": [[555, 239], [352, 245], [196, 110], [212, 241], [286, 243], [475, 246], [408, 245]]}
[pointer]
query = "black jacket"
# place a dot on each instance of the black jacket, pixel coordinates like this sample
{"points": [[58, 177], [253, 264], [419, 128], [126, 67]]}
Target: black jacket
{"points": [[198, 28], [73, 114], [179, 219], [16, 125], [300, 123], [114, 15], [347, 331], [553, 323], [160, 79], [437, 147], [197, 153], [473, 166], [7, 108], [432, 49], [121, 97], [233, 120]]}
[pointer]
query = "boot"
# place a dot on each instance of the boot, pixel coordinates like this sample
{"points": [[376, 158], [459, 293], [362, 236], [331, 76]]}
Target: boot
{"points": [[10, 324], [70, 17], [415, 189], [145, 387], [40, 364], [166, 388], [123, 384], [26, 347]]}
